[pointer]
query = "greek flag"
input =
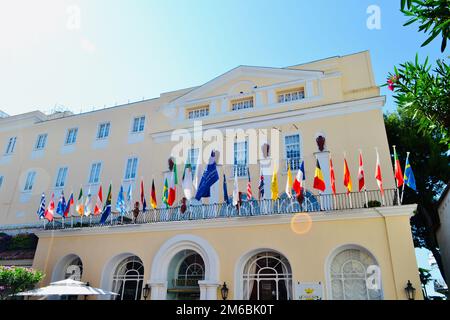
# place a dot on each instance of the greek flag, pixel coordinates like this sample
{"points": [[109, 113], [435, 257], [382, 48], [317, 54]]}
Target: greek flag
{"points": [[41, 209]]}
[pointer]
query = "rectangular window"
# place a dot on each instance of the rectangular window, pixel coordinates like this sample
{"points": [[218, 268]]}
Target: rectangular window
{"points": [[30, 181], [240, 158], [292, 95], [292, 149], [71, 136], [11, 145], [94, 176], [192, 159], [242, 104], [41, 141], [198, 112], [103, 130], [1, 181], [138, 124], [61, 177], [130, 170]]}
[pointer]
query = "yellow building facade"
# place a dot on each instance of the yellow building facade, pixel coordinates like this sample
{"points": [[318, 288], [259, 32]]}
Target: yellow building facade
{"points": [[345, 246]]}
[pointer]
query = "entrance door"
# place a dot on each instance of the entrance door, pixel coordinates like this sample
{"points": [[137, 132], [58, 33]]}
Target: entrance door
{"points": [[267, 290]]}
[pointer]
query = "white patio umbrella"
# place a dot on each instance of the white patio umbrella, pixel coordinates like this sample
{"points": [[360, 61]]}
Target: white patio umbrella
{"points": [[68, 287]]}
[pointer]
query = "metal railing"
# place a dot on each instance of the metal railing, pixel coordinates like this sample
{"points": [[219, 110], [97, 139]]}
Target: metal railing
{"points": [[311, 203]]}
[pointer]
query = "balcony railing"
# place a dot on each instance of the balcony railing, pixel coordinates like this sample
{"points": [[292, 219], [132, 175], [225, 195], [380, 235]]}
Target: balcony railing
{"points": [[311, 203]]}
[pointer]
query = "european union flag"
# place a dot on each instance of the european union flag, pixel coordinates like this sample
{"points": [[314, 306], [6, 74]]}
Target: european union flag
{"points": [[210, 176], [408, 176]]}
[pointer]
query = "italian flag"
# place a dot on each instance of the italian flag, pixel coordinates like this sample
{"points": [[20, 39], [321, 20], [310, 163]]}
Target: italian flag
{"points": [[173, 185], [398, 170]]}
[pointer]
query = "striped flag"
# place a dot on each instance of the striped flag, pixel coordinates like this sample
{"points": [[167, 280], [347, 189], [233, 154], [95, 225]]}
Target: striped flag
{"points": [[361, 182], [398, 170], [261, 186], [69, 204], [107, 208], [289, 182], [299, 178], [319, 182], [41, 210], [143, 201], [99, 202], [347, 177], [153, 202], [332, 177], [80, 206], [249, 186]]}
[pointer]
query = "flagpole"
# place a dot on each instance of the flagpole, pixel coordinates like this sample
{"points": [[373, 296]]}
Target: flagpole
{"points": [[396, 184], [403, 188]]}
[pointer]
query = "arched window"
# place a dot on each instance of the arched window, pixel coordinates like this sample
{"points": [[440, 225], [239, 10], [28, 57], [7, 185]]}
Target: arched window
{"points": [[74, 269], [355, 276], [191, 270], [267, 276], [128, 279]]}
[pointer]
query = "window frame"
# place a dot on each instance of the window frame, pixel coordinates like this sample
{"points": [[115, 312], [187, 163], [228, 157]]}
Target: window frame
{"points": [[242, 101], [242, 168], [201, 109], [141, 123], [133, 164], [61, 177], [2, 178], [90, 182], [299, 93], [74, 136], [8, 145], [106, 123], [295, 162], [29, 181], [37, 145]]}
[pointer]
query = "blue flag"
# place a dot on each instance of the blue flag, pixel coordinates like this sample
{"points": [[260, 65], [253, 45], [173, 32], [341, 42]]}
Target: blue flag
{"points": [[61, 208], [210, 176], [120, 204], [408, 176], [302, 169], [225, 191], [41, 209]]}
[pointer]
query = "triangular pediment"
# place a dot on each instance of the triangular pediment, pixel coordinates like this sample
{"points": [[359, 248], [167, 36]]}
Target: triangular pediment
{"points": [[244, 79]]}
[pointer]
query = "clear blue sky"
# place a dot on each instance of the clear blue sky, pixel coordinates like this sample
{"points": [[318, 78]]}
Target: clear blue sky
{"points": [[127, 50]]}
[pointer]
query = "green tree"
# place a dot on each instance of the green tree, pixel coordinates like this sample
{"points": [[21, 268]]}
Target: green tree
{"points": [[17, 279], [430, 162], [424, 95], [433, 16]]}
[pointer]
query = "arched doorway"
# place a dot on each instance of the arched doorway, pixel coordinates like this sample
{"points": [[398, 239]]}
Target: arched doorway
{"points": [[128, 278], [70, 266], [267, 275], [186, 269]]}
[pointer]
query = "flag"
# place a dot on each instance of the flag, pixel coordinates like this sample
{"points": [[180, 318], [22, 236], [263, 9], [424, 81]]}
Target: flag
{"points": [[61, 204], [41, 211], [143, 201], [107, 208], [197, 175], [274, 184], [129, 201], [319, 182], [165, 193], [409, 179], [332, 177], [49, 212], [249, 186], [209, 177], [289, 182], [299, 178], [235, 189], [361, 182], [173, 185], [99, 202], [187, 182], [378, 176], [120, 203], [347, 177], [80, 205], [261, 186], [87, 204], [225, 191], [398, 170], [153, 195], [69, 204]]}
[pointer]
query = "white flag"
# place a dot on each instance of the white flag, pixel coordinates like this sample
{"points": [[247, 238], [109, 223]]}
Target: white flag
{"points": [[235, 189], [187, 182], [87, 204], [198, 172]]}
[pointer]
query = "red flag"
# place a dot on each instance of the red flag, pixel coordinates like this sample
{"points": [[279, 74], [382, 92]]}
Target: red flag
{"points": [[249, 187], [361, 181], [332, 177], [153, 202], [142, 191], [378, 176], [398, 170], [319, 181], [347, 177], [99, 203], [50, 209]]}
